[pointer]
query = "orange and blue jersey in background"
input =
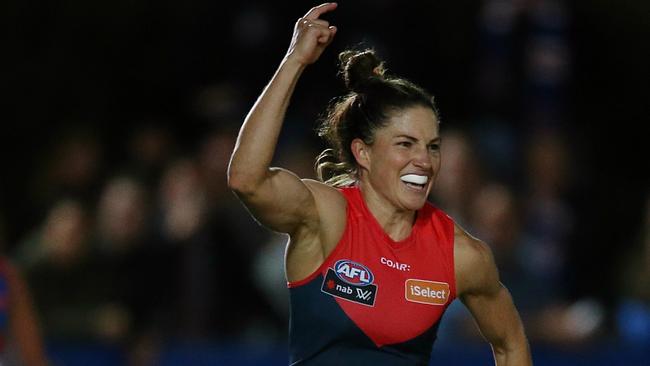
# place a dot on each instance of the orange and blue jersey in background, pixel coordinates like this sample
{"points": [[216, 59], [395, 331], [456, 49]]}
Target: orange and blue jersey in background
{"points": [[375, 300], [4, 305]]}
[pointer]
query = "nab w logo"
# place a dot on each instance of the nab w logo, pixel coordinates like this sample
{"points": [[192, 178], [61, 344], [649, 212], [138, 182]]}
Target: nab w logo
{"points": [[336, 284], [365, 295], [353, 272]]}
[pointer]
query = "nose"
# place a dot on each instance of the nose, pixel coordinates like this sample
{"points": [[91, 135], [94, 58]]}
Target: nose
{"points": [[422, 158]]}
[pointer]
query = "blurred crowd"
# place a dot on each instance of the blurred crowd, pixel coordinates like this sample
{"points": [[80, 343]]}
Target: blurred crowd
{"points": [[157, 250], [138, 241]]}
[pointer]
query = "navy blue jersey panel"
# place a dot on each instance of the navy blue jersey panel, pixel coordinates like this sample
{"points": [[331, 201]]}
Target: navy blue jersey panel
{"points": [[316, 320], [320, 333]]}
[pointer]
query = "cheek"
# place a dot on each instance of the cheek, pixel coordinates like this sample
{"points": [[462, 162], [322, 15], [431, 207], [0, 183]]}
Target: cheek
{"points": [[435, 162], [395, 162], [387, 165]]}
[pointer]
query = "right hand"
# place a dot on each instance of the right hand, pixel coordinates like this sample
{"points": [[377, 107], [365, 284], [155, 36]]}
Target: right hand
{"points": [[311, 35]]}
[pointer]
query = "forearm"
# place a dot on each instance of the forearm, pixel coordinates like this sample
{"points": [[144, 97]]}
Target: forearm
{"points": [[258, 136], [507, 338], [249, 165]]}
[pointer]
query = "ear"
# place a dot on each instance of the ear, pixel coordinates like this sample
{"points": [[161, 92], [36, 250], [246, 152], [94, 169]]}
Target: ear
{"points": [[361, 153]]}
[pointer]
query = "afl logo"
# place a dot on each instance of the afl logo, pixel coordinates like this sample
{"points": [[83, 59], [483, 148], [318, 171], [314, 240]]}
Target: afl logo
{"points": [[353, 272]]}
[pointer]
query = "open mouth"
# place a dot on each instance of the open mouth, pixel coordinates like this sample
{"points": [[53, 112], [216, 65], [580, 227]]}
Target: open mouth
{"points": [[415, 181]]}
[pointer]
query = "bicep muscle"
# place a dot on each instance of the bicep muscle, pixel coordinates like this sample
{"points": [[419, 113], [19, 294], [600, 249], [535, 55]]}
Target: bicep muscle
{"points": [[282, 202]]}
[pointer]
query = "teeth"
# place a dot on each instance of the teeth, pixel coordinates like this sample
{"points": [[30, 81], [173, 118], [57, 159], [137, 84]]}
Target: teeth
{"points": [[414, 178]]}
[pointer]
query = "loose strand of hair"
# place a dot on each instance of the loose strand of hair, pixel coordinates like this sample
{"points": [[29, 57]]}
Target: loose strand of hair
{"points": [[334, 173]]}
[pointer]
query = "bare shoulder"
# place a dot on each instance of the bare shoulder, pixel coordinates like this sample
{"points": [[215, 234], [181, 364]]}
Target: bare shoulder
{"points": [[325, 193], [468, 249], [474, 264]]}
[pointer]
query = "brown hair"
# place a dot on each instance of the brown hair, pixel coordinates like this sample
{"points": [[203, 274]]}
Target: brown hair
{"points": [[372, 98]]}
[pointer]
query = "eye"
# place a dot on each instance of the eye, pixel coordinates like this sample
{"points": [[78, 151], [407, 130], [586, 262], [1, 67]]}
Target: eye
{"points": [[405, 143], [434, 147]]}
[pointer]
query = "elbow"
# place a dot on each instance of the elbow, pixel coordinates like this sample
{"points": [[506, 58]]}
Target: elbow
{"points": [[242, 184], [238, 183], [500, 348], [512, 352]]}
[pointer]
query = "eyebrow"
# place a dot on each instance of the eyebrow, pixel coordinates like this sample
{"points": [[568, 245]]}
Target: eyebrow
{"points": [[437, 139]]}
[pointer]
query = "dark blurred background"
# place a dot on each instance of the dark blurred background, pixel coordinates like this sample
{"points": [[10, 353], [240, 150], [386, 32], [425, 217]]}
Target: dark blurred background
{"points": [[119, 118]]}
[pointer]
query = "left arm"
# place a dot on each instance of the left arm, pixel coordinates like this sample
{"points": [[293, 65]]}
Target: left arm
{"points": [[478, 287]]}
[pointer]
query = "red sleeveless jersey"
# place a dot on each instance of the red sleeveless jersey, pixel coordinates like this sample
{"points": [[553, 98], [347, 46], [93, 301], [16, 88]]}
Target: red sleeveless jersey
{"points": [[392, 292]]}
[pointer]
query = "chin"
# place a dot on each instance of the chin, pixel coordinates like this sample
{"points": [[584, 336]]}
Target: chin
{"points": [[413, 201], [414, 205]]}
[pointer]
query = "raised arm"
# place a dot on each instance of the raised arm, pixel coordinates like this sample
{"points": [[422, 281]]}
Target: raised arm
{"points": [[490, 303], [277, 197]]}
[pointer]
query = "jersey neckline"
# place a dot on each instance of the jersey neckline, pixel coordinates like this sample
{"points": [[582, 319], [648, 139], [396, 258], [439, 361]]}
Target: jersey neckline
{"points": [[399, 244]]}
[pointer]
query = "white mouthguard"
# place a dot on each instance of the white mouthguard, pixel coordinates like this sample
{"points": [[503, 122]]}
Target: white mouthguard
{"points": [[414, 178]]}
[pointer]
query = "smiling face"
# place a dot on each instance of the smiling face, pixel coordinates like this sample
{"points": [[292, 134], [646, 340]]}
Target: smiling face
{"points": [[401, 164]]}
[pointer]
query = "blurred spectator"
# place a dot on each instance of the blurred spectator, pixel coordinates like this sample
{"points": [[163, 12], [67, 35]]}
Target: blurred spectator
{"points": [[213, 160], [61, 238], [71, 167], [220, 105], [183, 214], [121, 244], [548, 229], [72, 291], [183, 200], [460, 175], [549, 220], [140, 269], [495, 218], [149, 148], [121, 215], [633, 312]]}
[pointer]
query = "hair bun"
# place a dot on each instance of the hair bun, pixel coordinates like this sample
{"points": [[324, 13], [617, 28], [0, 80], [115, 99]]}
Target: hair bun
{"points": [[360, 68]]}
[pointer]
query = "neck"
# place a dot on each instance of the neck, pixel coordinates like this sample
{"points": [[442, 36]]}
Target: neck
{"points": [[396, 222]]}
